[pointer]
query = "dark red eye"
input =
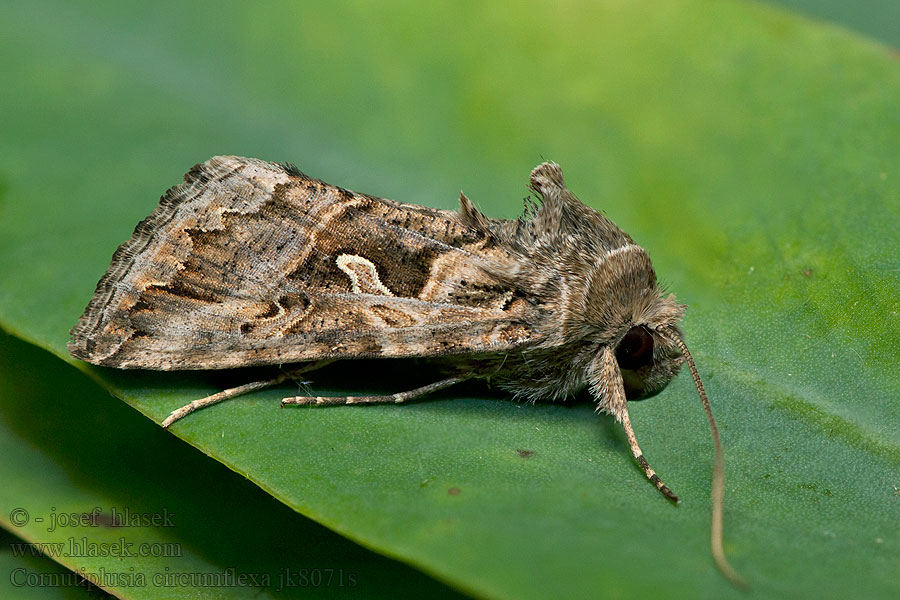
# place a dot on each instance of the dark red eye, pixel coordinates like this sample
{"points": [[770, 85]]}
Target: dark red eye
{"points": [[636, 349]]}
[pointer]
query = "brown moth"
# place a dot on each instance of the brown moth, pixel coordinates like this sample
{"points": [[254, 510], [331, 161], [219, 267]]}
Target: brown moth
{"points": [[253, 263]]}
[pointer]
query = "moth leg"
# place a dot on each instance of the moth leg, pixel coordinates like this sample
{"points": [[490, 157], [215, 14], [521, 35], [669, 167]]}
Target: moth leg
{"points": [[608, 386], [639, 457], [397, 398], [241, 390]]}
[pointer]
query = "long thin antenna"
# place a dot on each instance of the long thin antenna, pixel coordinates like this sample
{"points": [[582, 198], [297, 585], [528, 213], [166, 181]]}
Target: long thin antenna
{"points": [[718, 481]]}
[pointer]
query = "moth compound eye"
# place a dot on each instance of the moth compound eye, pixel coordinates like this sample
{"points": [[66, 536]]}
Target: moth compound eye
{"points": [[636, 349]]}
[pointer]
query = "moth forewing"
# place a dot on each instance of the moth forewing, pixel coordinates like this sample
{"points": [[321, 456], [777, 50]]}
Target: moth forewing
{"points": [[254, 263]]}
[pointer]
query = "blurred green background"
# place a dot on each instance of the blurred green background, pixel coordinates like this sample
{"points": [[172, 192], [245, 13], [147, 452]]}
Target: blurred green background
{"points": [[879, 19], [752, 148]]}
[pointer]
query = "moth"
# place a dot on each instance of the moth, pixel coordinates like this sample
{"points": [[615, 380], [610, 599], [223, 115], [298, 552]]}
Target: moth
{"points": [[254, 263]]}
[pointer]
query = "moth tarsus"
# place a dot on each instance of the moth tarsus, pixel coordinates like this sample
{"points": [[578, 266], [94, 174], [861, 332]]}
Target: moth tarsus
{"points": [[254, 263]]}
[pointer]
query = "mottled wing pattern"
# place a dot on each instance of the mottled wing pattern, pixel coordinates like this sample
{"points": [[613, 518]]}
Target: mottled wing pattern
{"points": [[249, 262]]}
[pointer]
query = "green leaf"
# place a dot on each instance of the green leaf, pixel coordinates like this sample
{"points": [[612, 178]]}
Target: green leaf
{"points": [[109, 495], [28, 576], [752, 153], [879, 19]]}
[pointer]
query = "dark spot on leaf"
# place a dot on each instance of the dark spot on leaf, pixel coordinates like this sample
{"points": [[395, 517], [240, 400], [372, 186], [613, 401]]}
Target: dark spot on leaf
{"points": [[525, 453], [105, 520], [454, 491], [814, 488]]}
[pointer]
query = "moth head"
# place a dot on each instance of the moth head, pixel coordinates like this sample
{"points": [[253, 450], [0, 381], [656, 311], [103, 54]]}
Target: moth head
{"points": [[624, 310], [648, 359]]}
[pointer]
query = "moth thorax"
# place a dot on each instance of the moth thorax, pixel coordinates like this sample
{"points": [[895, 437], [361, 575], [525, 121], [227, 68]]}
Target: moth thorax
{"points": [[619, 291]]}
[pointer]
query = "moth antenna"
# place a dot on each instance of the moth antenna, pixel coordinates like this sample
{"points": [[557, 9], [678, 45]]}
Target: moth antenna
{"points": [[718, 481], [639, 457]]}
